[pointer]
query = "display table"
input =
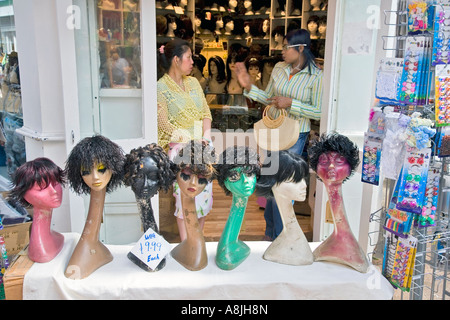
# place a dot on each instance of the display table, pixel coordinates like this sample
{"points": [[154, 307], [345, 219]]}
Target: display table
{"points": [[254, 279]]}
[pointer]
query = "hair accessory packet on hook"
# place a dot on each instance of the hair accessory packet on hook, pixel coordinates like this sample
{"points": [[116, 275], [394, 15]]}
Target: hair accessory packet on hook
{"points": [[398, 221], [420, 13], [388, 79], [428, 216], [403, 268], [413, 180], [371, 158]]}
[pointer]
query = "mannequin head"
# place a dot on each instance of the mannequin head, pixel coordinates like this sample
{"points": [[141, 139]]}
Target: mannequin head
{"points": [[265, 26], [38, 183], [237, 170], [322, 26], [313, 25], [232, 4], [315, 4], [161, 25], [171, 22], [253, 65], [247, 27], [199, 65], [278, 34], [216, 68], [333, 157], [228, 24], [219, 21], [291, 176], [95, 163], [195, 165], [148, 170]]}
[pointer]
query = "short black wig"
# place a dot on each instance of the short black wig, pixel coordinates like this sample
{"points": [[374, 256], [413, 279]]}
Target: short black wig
{"points": [[42, 171], [334, 142], [291, 168], [236, 157], [166, 168], [91, 150]]}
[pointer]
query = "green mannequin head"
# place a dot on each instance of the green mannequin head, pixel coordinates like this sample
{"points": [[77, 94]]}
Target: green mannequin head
{"points": [[237, 170], [241, 181]]}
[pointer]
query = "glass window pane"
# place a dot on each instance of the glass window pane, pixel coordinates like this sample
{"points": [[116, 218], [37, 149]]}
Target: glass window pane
{"points": [[119, 42]]}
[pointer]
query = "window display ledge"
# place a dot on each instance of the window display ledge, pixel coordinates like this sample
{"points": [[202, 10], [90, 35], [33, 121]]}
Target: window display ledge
{"points": [[255, 278]]}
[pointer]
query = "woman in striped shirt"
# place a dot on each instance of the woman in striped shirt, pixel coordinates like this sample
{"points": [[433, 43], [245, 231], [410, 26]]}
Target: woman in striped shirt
{"points": [[295, 85]]}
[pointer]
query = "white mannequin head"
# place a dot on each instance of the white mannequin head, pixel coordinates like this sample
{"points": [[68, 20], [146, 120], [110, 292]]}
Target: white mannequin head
{"points": [[291, 190], [219, 24], [312, 27], [232, 4], [278, 38], [229, 26], [315, 4]]}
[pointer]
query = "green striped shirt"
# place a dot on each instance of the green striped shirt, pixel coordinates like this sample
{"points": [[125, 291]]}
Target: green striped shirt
{"points": [[304, 88]]}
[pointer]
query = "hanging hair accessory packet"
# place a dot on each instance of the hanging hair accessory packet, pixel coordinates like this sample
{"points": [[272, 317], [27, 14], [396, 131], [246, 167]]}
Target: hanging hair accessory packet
{"points": [[413, 180], [371, 158], [403, 268], [388, 79]]}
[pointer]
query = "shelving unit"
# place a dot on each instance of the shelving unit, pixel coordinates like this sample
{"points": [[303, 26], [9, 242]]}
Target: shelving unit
{"points": [[430, 270], [217, 37]]}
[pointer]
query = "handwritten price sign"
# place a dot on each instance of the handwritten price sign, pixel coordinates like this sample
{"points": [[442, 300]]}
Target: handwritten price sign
{"points": [[151, 248]]}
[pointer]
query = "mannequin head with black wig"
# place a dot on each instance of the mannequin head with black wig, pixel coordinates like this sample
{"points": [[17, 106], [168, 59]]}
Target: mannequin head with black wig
{"points": [[95, 153], [292, 168], [233, 159], [334, 147], [147, 170]]}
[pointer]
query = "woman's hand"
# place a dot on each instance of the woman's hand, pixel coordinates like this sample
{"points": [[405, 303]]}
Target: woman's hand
{"points": [[243, 76], [280, 102]]}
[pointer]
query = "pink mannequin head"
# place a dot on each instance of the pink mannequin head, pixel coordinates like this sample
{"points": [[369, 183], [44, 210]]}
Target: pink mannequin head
{"points": [[38, 183]]}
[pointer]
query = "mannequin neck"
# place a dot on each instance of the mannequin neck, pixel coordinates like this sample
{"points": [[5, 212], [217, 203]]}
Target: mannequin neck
{"points": [[146, 212]]}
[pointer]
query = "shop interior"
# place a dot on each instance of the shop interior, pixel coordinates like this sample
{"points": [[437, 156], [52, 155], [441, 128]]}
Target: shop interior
{"points": [[403, 153]]}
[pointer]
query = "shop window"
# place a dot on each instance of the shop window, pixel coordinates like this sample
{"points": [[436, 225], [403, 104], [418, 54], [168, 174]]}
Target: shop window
{"points": [[119, 43]]}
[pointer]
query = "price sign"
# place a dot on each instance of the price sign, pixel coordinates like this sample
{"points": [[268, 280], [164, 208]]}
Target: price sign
{"points": [[151, 248]]}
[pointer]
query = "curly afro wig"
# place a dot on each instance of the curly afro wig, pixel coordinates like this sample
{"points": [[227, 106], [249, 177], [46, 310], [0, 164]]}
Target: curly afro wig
{"points": [[334, 142], [88, 152], [199, 157], [166, 172]]}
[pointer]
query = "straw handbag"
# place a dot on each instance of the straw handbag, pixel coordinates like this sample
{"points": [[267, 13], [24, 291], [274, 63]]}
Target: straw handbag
{"points": [[276, 134]]}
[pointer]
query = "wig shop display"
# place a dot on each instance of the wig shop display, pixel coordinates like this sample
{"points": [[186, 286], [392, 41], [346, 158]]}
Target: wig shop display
{"points": [[97, 166]]}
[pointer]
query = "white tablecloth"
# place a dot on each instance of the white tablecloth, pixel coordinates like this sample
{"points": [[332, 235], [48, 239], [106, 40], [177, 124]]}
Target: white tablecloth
{"points": [[254, 279]]}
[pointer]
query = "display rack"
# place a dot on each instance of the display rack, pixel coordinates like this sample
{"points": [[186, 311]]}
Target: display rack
{"points": [[430, 272]]}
